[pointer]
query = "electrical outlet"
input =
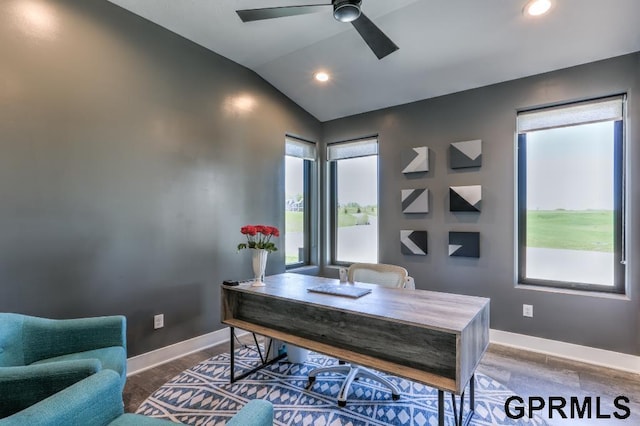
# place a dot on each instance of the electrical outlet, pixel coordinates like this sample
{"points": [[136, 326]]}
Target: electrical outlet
{"points": [[527, 311], [158, 321]]}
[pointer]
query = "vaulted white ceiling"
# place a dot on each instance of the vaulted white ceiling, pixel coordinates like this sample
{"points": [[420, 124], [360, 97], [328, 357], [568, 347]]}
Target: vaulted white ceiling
{"points": [[445, 45]]}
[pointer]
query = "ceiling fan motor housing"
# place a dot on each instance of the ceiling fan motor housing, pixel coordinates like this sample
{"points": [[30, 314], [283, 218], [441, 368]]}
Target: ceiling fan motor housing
{"points": [[346, 10]]}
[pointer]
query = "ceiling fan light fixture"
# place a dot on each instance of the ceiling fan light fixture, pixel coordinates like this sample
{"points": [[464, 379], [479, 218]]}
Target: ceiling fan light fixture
{"points": [[537, 7], [346, 10]]}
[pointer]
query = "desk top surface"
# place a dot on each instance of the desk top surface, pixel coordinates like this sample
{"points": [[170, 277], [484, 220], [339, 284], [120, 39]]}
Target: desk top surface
{"points": [[445, 311]]}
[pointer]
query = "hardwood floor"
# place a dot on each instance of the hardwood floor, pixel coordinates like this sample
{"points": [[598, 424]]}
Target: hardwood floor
{"points": [[532, 374], [527, 374]]}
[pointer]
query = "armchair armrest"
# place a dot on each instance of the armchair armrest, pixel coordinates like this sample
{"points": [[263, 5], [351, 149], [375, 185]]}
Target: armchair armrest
{"points": [[257, 412], [46, 338], [23, 386], [95, 400]]}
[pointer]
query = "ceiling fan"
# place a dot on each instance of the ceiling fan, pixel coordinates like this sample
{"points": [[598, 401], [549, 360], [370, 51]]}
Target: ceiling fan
{"points": [[343, 11]]}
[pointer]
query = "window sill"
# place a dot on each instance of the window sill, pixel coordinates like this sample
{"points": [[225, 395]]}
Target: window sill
{"points": [[306, 270], [336, 267], [586, 293]]}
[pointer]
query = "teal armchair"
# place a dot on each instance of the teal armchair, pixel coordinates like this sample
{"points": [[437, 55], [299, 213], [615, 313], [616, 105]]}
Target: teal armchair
{"points": [[257, 412], [39, 356], [97, 401]]}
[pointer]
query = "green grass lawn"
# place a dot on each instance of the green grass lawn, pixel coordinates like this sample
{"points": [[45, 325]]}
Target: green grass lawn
{"points": [[293, 221], [345, 219], [348, 216], [590, 230], [290, 259]]}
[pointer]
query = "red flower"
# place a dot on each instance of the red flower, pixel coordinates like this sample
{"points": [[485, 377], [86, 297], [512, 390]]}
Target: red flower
{"points": [[259, 237]]}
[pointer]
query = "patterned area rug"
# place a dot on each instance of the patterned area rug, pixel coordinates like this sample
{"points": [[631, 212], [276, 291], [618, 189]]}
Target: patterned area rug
{"points": [[202, 395]]}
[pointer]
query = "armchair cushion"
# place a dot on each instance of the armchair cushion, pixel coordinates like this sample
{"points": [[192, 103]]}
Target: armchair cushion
{"points": [[110, 358], [95, 400], [21, 387]]}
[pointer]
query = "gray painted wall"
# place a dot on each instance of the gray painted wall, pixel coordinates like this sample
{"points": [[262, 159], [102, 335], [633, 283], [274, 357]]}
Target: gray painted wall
{"points": [[489, 114], [129, 159]]}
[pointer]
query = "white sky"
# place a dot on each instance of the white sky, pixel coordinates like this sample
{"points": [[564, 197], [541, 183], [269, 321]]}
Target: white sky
{"points": [[357, 177], [293, 176], [358, 180], [570, 168]]}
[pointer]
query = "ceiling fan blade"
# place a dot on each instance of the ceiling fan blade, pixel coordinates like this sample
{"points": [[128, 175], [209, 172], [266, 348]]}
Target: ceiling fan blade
{"points": [[249, 15], [374, 37]]}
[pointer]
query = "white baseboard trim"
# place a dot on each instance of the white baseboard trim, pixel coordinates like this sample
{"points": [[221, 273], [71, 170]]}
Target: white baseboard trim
{"points": [[145, 361], [589, 355]]}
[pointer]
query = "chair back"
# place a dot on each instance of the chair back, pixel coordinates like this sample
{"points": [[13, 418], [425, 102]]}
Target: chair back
{"points": [[11, 337], [378, 273]]}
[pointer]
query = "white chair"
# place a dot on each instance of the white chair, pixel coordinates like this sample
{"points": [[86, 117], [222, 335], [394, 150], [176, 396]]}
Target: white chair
{"points": [[382, 275]]}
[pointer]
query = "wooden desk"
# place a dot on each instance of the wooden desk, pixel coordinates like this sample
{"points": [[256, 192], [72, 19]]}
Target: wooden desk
{"points": [[434, 338]]}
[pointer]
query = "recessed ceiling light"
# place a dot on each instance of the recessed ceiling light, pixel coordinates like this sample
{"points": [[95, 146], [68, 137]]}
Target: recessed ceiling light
{"points": [[537, 7], [322, 76]]}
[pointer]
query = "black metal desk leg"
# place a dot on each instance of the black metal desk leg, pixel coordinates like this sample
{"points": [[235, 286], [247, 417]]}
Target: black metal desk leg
{"points": [[263, 361], [232, 361], [440, 408], [472, 392], [472, 403], [458, 416]]}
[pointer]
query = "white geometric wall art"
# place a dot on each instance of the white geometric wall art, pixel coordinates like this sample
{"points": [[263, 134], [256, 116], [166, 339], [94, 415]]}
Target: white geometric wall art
{"points": [[415, 200], [464, 244], [413, 242], [416, 160], [465, 198], [465, 154]]}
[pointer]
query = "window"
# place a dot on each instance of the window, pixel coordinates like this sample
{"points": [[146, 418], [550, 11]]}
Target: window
{"points": [[571, 196], [353, 169], [299, 159]]}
